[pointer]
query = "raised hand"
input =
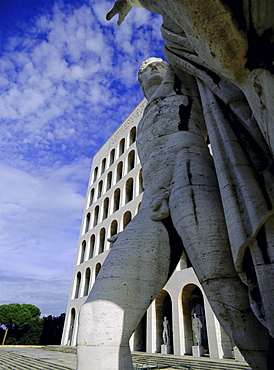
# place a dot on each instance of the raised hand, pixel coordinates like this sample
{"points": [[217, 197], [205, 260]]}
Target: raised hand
{"points": [[120, 7]]}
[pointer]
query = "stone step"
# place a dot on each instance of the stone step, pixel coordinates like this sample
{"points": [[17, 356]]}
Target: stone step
{"points": [[13, 361], [146, 361], [9, 360]]}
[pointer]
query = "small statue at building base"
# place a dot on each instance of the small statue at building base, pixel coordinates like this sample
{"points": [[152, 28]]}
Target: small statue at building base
{"points": [[166, 338], [197, 329]]}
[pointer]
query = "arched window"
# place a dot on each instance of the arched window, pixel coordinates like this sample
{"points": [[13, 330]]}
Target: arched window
{"points": [[83, 251], [109, 180], [97, 269], [111, 156], [130, 160], [192, 302], [103, 166], [119, 171], [102, 237], [121, 147], [132, 135], [71, 326], [141, 189], [105, 209], [163, 308], [116, 200], [139, 206], [95, 174], [129, 190], [113, 228], [96, 215], [87, 222], [126, 218], [100, 187], [91, 246], [87, 281], [77, 286], [91, 197]]}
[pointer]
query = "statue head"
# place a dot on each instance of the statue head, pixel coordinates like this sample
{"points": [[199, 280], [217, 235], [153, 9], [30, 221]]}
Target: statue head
{"points": [[151, 73]]}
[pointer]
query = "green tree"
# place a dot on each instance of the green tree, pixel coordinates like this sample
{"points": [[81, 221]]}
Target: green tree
{"points": [[31, 334], [18, 318]]}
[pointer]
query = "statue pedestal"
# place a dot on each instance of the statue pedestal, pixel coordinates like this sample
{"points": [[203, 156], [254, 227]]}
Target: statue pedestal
{"points": [[237, 354], [197, 351], [165, 349]]}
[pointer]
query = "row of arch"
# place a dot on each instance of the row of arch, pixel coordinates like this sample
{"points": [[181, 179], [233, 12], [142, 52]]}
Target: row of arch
{"points": [[110, 205], [181, 333], [113, 153], [98, 244], [191, 302], [111, 179], [180, 317], [83, 286]]}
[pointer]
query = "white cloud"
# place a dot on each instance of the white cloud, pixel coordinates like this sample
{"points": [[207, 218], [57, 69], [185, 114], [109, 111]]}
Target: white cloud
{"points": [[34, 289], [40, 220], [74, 74]]}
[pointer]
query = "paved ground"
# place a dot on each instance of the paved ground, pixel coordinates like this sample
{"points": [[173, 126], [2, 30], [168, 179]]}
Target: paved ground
{"points": [[20, 357], [64, 358]]}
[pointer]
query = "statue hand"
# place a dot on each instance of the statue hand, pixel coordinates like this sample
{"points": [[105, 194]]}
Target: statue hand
{"points": [[120, 7]]}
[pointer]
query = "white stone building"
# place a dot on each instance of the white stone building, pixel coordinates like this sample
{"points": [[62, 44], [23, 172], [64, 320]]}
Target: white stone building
{"points": [[113, 198]]}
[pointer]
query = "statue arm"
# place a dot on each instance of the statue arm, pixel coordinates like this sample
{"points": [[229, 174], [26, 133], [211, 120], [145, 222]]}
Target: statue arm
{"points": [[122, 7]]}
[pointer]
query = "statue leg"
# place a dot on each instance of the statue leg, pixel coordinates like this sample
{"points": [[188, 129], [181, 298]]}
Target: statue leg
{"points": [[132, 275], [197, 215]]}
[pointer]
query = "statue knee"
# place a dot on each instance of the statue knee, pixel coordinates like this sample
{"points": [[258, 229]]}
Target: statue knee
{"points": [[86, 313], [101, 323]]}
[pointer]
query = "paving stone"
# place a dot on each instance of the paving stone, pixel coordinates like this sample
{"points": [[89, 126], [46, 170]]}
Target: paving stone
{"points": [[64, 358], [9, 359]]}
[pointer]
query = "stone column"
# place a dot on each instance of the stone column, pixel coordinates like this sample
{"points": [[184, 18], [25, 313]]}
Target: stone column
{"points": [[213, 332], [177, 325], [151, 329]]}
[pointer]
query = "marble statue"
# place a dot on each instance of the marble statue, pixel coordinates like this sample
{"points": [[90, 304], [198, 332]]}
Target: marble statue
{"points": [[219, 209], [197, 329], [175, 153], [166, 338], [228, 49]]}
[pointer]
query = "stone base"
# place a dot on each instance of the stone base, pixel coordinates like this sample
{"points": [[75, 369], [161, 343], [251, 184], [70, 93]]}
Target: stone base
{"points": [[237, 354], [165, 349], [197, 351]]}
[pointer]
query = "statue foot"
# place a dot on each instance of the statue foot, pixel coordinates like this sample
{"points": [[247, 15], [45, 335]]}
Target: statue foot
{"points": [[101, 344], [103, 358]]}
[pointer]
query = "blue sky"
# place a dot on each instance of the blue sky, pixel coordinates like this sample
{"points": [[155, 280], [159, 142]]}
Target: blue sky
{"points": [[68, 78]]}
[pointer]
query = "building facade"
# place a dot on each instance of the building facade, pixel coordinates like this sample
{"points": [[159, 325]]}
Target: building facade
{"points": [[113, 198]]}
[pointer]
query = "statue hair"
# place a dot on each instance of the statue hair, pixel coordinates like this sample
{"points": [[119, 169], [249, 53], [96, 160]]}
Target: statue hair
{"points": [[146, 63]]}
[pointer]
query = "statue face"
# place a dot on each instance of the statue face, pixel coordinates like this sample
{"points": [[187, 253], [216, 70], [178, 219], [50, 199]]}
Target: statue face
{"points": [[153, 74]]}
